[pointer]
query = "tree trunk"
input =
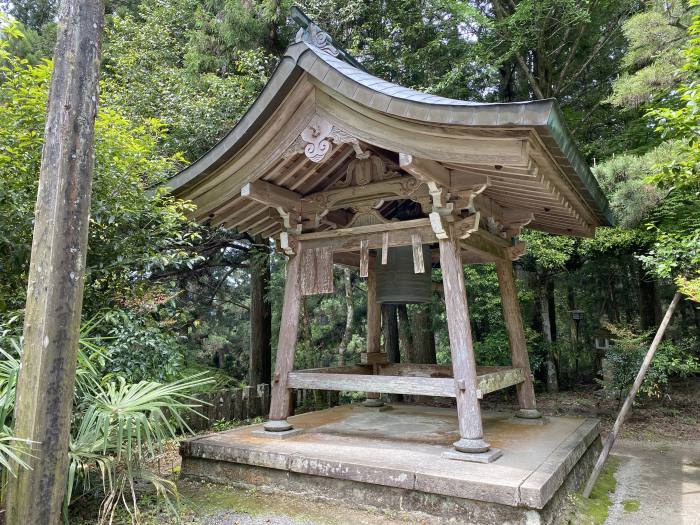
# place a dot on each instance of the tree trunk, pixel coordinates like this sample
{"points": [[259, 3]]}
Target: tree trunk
{"points": [[349, 314], [260, 368], [390, 328], [573, 325], [648, 300], [423, 336], [545, 286], [57, 270], [405, 336]]}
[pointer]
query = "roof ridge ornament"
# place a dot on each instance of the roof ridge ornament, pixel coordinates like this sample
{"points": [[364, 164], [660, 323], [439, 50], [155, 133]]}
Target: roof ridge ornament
{"points": [[318, 38]]}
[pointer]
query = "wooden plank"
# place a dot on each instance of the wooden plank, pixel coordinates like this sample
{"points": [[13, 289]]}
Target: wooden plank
{"points": [[316, 270], [418, 263], [443, 387], [499, 380], [391, 189], [489, 379], [385, 247], [348, 369], [364, 258], [366, 230], [374, 315]]}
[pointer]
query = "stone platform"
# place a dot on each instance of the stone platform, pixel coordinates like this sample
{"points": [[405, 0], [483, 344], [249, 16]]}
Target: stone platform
{"points": [[394, 460]]}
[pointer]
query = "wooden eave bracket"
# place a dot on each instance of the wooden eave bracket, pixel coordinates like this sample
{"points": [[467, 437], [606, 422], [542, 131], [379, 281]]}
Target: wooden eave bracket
{"points": [[462, 228]]}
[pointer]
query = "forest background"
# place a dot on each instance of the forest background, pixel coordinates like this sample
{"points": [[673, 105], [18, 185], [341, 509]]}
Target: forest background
{"points": [[167, 298]]}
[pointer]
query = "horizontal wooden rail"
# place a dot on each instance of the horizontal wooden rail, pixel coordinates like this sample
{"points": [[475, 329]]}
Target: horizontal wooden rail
{"points": [[426, 386], [493, 379]]}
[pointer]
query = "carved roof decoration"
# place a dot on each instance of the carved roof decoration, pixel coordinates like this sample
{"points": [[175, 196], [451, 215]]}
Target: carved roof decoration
{"points": [[323, 127]]}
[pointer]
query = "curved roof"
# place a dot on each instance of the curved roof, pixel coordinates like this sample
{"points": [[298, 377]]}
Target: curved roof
{"points": [[523, 149]]}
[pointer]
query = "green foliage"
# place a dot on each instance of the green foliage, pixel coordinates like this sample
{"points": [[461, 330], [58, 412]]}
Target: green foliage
{"points": [[676, 251], [153, 70], [656, 39], [624, 359], [132, 232], [140, 348]]}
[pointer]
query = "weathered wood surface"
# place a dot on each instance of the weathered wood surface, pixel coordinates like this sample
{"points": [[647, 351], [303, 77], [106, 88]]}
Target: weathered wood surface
{"points": [[461, 347], [289, 325], [442, 387], [229, 404], [400, 233], [316, 270], [516, 333], [428, 380], [56, 274]]}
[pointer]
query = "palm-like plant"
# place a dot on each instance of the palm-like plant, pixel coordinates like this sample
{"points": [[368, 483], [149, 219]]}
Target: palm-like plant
{"points": [[117, 426], [13, 450], [121, 425]]}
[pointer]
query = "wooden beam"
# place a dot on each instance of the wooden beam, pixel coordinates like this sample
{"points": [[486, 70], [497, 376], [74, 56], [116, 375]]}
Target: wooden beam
{"points": [[426, 386], [400, 379], [425, 170], [271, 195]]}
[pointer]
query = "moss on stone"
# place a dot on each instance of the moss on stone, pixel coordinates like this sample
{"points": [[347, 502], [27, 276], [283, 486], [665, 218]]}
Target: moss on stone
{"points": [[631, 505], [594, 510]]}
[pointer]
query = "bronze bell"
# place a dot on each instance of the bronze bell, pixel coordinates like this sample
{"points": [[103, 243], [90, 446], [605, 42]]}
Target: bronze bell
{"points": [[397, 283]]}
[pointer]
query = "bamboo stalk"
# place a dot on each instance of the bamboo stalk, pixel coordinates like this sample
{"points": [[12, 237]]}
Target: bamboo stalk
{"points": [[610, 440]]}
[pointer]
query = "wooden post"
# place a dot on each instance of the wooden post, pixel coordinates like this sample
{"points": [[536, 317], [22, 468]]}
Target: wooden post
{"points": [[610, 441], [57, 270], [280, 405], [516, 338], [374, 326], [464, 367]]}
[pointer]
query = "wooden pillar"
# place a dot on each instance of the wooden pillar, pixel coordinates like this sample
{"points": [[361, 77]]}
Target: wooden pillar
{"points": [[374, 326], [463, 364], [516, 338], [57, 269], [280, 403]]}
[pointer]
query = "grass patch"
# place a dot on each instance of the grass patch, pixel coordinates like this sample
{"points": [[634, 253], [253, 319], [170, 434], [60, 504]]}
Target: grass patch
{"points": [[631, 505], [594, 510]]}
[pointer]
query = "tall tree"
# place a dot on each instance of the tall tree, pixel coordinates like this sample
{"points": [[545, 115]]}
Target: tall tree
{"points": [[56, 275], [260, 364]]}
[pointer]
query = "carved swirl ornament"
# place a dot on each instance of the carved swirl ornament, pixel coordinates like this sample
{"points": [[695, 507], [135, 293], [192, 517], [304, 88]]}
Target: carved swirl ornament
{"points": [[317, 139], [319, 39]]}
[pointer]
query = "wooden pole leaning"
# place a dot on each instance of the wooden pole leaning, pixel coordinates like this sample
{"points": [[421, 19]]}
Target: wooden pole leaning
{"points": [[516, 339], [374, 324], [463, 363], [280, 402], [629, 401]]}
